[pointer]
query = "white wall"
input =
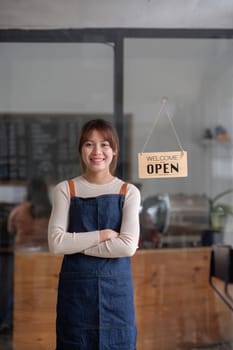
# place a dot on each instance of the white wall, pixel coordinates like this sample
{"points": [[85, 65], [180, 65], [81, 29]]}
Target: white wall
{"points": [[76, 78], [188, 72], [112, 13], [218, 110], [56, 78]]}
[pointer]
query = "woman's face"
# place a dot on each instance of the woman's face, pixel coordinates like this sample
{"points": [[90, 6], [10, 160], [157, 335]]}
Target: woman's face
{"points": [[97, 153]]}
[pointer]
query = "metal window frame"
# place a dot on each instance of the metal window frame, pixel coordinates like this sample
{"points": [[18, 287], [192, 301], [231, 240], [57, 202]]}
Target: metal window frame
{"points": [[117, 37]]}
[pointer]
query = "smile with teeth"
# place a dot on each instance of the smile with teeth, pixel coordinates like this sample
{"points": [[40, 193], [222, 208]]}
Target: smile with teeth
{"points": [[97, 160]]}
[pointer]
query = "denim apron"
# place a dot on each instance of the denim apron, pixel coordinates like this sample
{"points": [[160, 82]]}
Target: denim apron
{"points": [[95, 308]]}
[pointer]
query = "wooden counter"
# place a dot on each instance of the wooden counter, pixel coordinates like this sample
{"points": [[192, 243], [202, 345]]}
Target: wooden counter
{"points": [[175, 306]]}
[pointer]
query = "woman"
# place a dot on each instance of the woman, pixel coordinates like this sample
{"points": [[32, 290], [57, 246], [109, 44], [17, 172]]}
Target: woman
{"points": [[28, 221], [95, 224]]}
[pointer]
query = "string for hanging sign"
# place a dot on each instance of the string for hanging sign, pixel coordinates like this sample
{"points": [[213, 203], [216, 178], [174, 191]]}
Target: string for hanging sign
{"points": [[162, 164]]}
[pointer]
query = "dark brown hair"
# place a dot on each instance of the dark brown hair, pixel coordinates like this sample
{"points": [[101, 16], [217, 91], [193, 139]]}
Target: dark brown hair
{"points": [[109, 134], [38, 196]]}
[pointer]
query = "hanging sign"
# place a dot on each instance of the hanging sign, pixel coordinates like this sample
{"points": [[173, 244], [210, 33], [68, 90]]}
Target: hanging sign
{"points": [[162, 164]]}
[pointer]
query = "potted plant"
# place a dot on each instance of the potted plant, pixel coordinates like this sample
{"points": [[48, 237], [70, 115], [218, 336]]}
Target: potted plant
{"points": [[218, 214], [219, 211]]}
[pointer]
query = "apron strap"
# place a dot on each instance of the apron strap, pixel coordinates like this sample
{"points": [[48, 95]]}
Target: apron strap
{"points": [[72, 188], [123, 188]]}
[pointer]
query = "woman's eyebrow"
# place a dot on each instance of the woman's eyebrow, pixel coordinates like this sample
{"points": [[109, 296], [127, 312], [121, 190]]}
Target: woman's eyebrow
{"points": [[102, 140]]}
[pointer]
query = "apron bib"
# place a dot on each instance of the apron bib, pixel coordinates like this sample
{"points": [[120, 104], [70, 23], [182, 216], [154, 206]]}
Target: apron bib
{"points": [[95, 307]]}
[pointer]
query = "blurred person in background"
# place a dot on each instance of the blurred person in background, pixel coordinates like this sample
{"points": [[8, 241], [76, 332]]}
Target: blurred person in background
{"points": [[28, 221]]}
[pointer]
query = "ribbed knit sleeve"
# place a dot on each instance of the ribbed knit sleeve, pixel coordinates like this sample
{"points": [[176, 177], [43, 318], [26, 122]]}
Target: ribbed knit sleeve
{"points": [[126, 243], [63, 242], [60, 241]]}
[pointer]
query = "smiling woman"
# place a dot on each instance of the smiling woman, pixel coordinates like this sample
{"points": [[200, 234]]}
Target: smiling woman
{"points": [[98, 145], [90, 73], [97, 155], [95, 224]]}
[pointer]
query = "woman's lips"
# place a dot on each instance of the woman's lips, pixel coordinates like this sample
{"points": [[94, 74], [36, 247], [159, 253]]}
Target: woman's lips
{"points": [[97, 160]]}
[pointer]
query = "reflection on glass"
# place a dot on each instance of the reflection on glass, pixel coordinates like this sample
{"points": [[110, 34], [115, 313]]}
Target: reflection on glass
{"points": [[175, 306], [196, 78]]}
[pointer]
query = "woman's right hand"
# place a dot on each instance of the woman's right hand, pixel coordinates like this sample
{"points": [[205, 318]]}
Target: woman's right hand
{"points": [[107, 234]]}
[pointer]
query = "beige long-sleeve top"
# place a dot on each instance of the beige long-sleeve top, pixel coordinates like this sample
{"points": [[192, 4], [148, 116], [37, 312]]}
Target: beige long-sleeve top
{"points": [[63, 242]]}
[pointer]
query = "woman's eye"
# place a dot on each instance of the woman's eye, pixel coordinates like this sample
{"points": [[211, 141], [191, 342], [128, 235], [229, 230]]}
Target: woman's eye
{"points": [[88, 144], [105, 144]]}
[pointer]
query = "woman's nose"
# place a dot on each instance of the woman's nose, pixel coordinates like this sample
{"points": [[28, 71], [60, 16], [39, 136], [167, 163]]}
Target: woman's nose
{"points": [[97, 148]]}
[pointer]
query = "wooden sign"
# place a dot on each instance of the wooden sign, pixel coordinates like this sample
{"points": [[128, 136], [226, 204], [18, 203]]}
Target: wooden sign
{"points": [[162, 164]]}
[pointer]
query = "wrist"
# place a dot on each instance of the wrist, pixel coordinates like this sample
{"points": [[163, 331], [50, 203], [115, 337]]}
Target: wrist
{"points": [[104, 235]]}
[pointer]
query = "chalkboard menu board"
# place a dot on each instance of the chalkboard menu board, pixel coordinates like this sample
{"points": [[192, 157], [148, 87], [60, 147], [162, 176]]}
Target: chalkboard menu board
{"points": [[42, 145]]}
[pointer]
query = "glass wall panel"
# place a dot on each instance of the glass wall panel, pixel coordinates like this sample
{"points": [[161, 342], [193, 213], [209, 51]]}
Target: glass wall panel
{"points": [[177, 307], [47, 92], [195, 75]]}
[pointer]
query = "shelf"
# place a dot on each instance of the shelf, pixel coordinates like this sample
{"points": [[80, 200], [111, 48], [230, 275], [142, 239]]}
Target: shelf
{"points": [[216, 143]]}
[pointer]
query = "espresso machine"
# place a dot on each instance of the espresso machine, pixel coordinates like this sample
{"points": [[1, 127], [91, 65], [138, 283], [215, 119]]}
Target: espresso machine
{"points": [[173, 220]]}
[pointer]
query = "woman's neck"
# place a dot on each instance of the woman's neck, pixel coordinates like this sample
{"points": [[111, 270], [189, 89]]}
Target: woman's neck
{"points": [[98, 178]]}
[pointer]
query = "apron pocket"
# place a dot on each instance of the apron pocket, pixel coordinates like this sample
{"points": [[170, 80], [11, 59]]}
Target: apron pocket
{"points": [[78, 302], [116, 302], [123, 339]]}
